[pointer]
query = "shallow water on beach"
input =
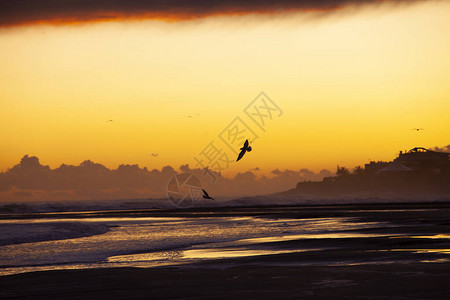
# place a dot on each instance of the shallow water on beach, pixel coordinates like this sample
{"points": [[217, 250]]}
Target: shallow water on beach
{"points": [[128, 236], [97, 241]]}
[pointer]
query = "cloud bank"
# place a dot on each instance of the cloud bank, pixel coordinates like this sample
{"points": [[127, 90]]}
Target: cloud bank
{"points": [[17, 12], [441, 149], [31, 181]]}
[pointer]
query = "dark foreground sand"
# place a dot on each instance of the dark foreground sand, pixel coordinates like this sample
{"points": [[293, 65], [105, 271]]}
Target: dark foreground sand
{"points": [[376, 267], [394, 281]]}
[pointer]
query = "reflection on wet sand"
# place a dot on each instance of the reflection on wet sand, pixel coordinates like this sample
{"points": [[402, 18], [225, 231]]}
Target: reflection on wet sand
{"points": [[441, 251], [235, 249], [319, 236], [431, 236], [91, 220], [198, 254], [331, 235], [352, 251]]}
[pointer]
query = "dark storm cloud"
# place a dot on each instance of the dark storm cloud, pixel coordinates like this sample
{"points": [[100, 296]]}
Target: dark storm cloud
{"points": [[16, 12]]}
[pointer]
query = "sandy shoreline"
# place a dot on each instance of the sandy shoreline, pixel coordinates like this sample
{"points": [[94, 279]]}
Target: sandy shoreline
{"points": [[391, 281], [406, 259]]}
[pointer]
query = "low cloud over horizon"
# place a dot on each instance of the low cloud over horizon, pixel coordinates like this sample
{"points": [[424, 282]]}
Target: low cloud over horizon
{"points": [[19, 12], [441, 149], [31, 181]]}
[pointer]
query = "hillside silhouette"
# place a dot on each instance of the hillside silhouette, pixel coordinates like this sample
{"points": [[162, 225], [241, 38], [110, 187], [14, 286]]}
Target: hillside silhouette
{"points": [[418, 172]]}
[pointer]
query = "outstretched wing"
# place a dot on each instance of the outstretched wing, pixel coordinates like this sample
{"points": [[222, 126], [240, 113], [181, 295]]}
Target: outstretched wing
{"points": [[204, 192], [241, 154], [246, 144]]}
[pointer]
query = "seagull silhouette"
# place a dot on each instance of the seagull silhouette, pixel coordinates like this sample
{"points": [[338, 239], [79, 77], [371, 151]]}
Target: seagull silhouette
{"points": [[206, 196], [245, 148], [417, 129]]}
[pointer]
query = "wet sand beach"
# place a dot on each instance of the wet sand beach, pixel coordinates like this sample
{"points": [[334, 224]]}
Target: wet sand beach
{"points": [[396, 251], [392, 281]]}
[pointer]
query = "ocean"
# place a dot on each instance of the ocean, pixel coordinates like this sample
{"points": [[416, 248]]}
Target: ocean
{"points": [[326, 235]]}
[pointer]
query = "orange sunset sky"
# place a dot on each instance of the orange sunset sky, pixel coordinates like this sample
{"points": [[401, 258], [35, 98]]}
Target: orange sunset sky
{"points": [[352, 83]]}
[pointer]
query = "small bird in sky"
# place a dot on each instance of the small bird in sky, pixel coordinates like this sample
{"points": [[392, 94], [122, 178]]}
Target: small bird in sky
{"points": [[417, 129], [110, 121], [155, 154], [206, 196], [245, 148]]}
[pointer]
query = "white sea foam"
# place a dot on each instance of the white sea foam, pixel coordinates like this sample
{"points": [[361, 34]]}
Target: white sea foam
{"points": [[25, 231]]}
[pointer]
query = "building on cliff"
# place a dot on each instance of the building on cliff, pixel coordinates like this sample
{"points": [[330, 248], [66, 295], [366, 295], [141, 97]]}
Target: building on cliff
{"points": [[417, 172]]}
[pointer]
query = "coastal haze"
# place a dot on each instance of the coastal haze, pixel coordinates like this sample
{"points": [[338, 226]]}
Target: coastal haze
{"points": [[224, 149]]}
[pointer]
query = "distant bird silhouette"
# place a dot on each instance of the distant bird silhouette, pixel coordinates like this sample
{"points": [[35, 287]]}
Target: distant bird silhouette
{"points": [[206, 196], [417, 129], [245, 148], [155, 154], [110, 121]]}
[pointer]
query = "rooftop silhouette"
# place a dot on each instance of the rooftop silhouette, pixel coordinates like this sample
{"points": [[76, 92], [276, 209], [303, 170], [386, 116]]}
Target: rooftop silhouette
{"points": [[418, 172]]}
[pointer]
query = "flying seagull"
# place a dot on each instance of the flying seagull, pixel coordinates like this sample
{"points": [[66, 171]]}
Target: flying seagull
{"points": [[417, 129], [245, 148], [206, 196]]}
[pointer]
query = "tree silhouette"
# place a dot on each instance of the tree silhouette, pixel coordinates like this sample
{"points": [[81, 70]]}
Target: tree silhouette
{"points": [[342, 171], [358, 170]]}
